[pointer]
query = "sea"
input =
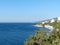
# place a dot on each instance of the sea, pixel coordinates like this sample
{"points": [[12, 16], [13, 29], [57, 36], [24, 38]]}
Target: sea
{"points": [[16, 33]]}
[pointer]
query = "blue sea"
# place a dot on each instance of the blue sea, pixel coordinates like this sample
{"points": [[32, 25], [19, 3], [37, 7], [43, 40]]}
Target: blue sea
{"points": [[16, 33]]}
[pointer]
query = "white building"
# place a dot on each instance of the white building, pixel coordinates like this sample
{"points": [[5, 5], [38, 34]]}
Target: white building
{"points": [[58, 19], [43, 22], [52, 20]]}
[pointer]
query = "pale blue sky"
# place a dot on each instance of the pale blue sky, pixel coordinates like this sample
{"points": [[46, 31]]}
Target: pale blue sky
{"points": [[28, 10]]}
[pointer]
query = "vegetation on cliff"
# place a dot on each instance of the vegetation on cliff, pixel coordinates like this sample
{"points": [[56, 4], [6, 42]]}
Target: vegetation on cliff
{"points": [[41, 38]]}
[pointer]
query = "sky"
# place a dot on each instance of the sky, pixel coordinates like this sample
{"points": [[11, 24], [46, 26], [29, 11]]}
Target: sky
{"points": [[28, 10]]}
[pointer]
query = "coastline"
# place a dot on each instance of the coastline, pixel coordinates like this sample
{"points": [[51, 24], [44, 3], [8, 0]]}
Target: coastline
{"points": [[45, 26]]}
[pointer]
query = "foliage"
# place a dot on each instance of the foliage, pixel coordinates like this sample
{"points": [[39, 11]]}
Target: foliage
{"points": [[41, 38]]}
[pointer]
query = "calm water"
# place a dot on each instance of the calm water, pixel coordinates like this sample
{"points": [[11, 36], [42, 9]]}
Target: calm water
{"points": [[15, 33]]}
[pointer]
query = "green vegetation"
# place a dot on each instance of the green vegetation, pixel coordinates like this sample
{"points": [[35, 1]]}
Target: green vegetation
{"points": [[41, 38]]}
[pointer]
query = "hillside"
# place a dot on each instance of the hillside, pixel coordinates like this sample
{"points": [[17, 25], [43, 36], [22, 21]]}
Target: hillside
{"points": [[41, 38]]}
